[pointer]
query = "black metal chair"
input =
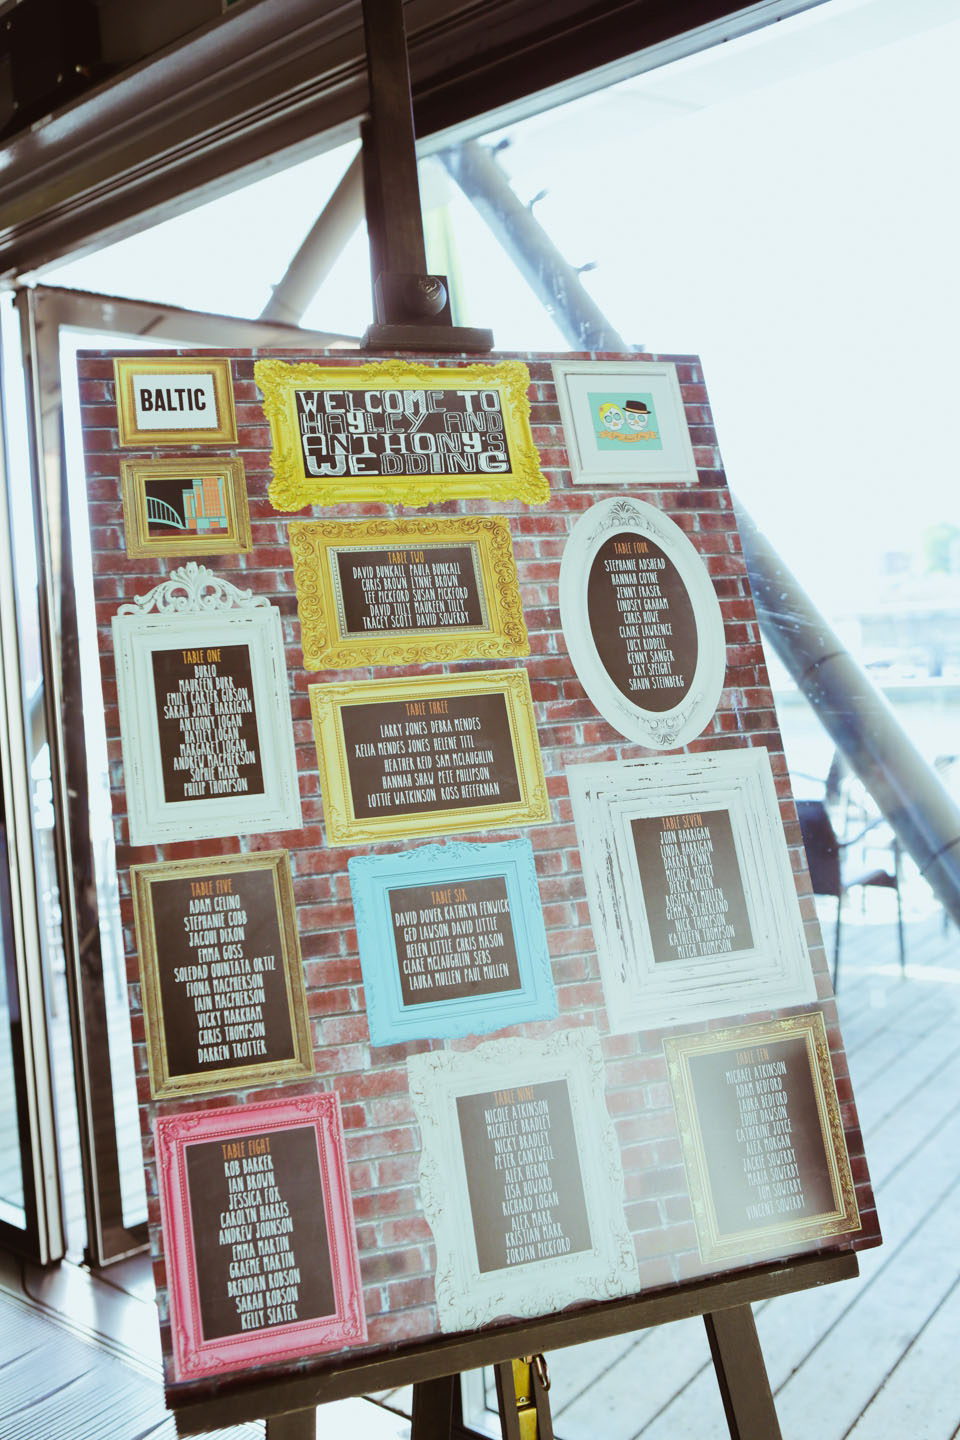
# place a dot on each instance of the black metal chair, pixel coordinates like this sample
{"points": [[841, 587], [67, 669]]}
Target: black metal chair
{"points": [[825, 863]]}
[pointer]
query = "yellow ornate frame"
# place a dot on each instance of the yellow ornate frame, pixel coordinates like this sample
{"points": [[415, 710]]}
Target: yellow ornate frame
{"points": [[326, 645], [292, 489], [342, 825], [127, 368], [300, 1066], [235, 540], [842, 1219]]}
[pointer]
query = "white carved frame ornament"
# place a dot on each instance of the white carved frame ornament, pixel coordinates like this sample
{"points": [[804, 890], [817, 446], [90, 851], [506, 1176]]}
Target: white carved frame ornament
{"points": [[664, 729], [196, 608], [466, 1296], [640, 994]]}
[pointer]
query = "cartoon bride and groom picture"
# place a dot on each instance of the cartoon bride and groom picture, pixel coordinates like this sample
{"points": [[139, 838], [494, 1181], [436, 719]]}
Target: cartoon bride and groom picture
{"points": [[625, 419]]}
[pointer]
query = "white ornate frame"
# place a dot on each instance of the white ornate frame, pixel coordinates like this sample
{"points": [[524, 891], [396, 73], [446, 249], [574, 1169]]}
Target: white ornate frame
{"points": [[664, 729], [466, 1296], [675, 464], [195, 608], [641, 994]]}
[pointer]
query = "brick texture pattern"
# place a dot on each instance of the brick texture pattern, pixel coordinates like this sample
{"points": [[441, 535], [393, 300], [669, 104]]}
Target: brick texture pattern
{"points": [[382, 1138]]}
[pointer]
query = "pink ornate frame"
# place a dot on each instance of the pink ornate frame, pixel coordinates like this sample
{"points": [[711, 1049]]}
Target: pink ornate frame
{"points": [[193, 1356]]}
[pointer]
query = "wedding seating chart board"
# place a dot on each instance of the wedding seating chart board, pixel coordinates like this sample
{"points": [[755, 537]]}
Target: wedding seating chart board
{"points": [[474, 968]]}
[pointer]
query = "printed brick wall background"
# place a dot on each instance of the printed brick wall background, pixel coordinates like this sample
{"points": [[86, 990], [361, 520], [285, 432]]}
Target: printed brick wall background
{"points": [[382, 1137]]}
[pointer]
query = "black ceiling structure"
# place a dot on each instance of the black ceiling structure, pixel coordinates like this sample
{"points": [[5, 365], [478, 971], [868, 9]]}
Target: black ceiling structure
{"points": [[273, 81]]}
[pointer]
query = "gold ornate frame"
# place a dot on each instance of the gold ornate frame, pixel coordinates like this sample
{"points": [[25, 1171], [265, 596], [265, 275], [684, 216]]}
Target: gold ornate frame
{"points": [[842, 1219], [292, 489], [235, 540], [343, 827], [125, 372], [327, 645], [164, 1085]]}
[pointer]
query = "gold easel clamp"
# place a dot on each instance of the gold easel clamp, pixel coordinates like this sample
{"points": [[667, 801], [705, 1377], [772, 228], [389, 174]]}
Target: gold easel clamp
{"points": [[522, 1387]]}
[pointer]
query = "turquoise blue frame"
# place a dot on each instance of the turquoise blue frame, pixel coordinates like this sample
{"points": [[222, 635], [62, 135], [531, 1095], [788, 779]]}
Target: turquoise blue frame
{"points": [[373, 877]]}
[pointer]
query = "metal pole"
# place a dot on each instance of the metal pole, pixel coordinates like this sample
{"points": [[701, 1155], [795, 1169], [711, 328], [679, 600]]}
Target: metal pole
{"points": [[858, 719], [557, 284], [320, 250], [412, 308]]}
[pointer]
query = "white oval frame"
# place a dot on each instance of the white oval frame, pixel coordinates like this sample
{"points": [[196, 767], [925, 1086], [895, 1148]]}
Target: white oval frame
{"points": [[664, 729]]}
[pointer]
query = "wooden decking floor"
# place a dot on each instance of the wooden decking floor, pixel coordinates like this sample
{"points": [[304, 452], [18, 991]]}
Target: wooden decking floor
{"points": [[870, 1359], [874, 1358]]}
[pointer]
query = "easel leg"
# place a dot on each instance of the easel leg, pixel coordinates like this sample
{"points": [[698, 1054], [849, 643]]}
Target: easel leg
{"points": [[297, 1425], [742, 1375], [433, 1408], [522, 1387]]}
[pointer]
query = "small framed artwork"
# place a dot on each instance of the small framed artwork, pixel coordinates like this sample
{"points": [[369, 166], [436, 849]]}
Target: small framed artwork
{"points": [[185, 507], [642, 623], [451, 940], [174, 400], [204, 712], [624, 422], [405, 592], [762, 1136], [400, 432], [258, 1234], [428, 755], [690, 888], [223, 998], [520, 1177]]}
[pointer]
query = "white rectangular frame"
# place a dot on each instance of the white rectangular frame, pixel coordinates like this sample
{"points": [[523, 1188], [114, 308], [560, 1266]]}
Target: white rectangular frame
{"points": [[674, 464], [466, 1296], [137, 634], [641, 994]]}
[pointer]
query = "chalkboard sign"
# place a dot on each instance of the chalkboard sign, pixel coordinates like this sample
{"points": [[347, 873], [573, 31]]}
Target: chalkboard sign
{"points": [[642, 623], [520, 1177], [451, 940], [696, 916], [400, 432], [207, 724], [258, 1233], [427, 756], [523, 1174], [204, 711], [762, 1137], [433, 588], [375, 592], [220, 967], [692, 885]]}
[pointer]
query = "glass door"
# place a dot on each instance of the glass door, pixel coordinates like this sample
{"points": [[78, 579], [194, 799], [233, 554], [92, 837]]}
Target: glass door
{"points": [[31, 1218], [53, 324]]}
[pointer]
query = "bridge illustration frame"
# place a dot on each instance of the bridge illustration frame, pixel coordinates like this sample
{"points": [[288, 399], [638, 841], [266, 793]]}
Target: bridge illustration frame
{"points": [[196, 505]]}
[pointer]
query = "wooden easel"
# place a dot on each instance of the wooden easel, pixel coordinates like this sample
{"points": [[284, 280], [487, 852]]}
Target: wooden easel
{"points": [[289, 1403], [412, 312]]}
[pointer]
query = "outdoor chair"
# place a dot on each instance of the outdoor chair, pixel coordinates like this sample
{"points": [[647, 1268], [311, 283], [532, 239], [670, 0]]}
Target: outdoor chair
{"points": [[825, 861]]}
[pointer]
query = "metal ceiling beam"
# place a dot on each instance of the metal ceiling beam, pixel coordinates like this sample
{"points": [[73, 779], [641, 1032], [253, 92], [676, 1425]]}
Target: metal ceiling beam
{"points": [[320, 250], [287, 80], [556, 284]]}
